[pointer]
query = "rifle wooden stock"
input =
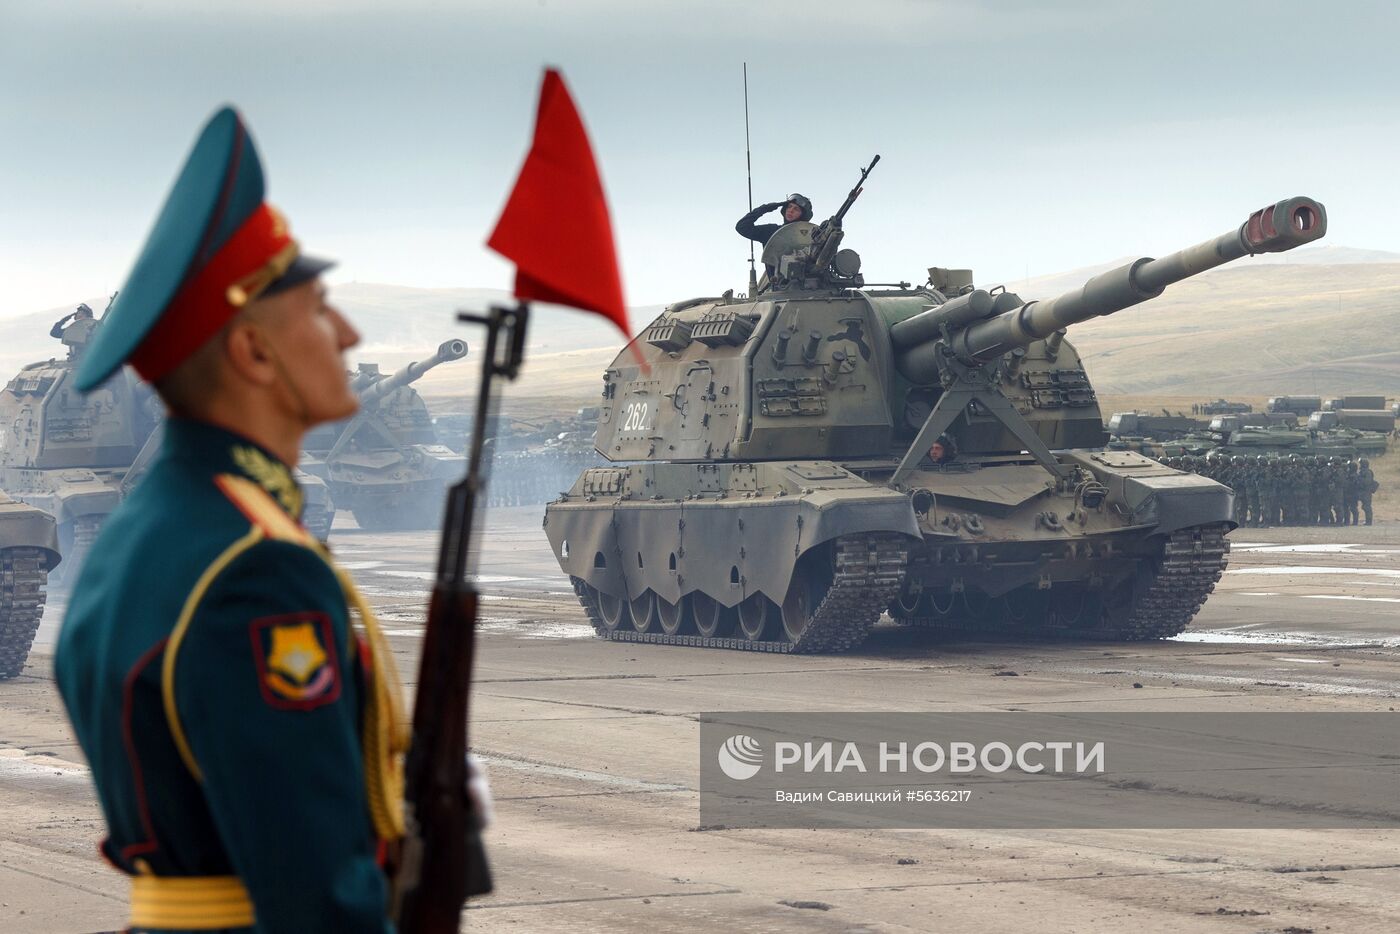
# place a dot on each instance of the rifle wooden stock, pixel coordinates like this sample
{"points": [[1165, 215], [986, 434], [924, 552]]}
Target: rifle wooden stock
{"points": [[443, 861]]}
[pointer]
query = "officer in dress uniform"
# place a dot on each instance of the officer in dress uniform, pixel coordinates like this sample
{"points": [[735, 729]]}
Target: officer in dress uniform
{"points": [[232, 691]]}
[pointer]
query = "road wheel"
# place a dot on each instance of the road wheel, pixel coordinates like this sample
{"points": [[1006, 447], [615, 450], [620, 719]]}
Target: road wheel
{"points": [[644, 611], [756, 614], [1024, 606], [712, 618], [613, 611], [804, 595], [673, 617], [1070, 606], [909, 605], [942, 604], [978, 605]]}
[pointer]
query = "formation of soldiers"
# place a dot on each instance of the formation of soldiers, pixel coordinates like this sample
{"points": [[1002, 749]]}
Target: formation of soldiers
{"points": [[528, 478], [1291, 490]]}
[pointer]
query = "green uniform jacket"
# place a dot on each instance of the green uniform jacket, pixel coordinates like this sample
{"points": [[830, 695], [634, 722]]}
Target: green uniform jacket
{"points": [[203, 593]]}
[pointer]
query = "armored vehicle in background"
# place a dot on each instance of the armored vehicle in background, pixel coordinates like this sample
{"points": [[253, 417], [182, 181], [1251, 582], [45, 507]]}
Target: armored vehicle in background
{"points": [[66, 453], [1222, 407], [535, 466], [1140, 425], [776, 490], [28, 552], [386, 464], [1373, 440], [1381, 420], [317, 511]]}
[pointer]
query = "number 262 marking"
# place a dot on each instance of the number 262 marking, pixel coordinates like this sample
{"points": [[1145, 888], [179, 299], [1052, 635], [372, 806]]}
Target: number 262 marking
{"points": [[636, 418]]}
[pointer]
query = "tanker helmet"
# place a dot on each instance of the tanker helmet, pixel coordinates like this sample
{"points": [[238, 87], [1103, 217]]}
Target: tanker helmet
{"points": [[803, 202]]}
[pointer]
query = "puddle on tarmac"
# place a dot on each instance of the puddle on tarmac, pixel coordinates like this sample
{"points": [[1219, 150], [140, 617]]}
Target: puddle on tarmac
{"points": [[1262, 637], [525, 629], [1317, 569], [1337, 596], [1320, 549], [1320, 596]]}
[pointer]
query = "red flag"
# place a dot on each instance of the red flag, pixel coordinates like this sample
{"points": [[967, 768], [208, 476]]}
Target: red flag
{"points": [[555, 226]]}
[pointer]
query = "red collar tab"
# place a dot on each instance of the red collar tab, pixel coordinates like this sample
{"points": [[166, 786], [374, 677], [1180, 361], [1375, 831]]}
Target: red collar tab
{"points": [[254, 257]]}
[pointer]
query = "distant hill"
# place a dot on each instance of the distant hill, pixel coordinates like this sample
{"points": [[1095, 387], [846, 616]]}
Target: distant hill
{"points": [[1326, 320]]}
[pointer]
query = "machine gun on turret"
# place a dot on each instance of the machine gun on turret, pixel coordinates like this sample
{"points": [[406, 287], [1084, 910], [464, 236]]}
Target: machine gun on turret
{"points": [[953, 343], [805, 255]]}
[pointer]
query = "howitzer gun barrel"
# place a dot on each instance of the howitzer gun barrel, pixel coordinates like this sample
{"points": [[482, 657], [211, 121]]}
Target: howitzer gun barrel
{"points": [[1274, 229], [446, 352]]}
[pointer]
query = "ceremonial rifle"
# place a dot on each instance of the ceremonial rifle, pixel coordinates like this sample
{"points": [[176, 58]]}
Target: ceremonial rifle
{"points": [[444, 861]]}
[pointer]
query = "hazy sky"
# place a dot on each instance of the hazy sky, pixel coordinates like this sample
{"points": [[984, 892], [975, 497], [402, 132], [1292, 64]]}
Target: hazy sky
{"points": [[1017, 136]]}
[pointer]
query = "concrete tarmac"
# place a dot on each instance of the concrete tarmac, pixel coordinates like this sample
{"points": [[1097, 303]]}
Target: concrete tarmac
{"points": [[593, 755]]}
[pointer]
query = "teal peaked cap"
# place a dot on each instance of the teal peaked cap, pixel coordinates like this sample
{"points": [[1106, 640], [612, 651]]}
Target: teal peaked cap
{"points": [[219, 187]]}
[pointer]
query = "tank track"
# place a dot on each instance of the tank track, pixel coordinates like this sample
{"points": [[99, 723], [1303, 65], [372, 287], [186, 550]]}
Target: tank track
{"points": [[1192, 561], [869, 570], [318, 521], [23, 572]]}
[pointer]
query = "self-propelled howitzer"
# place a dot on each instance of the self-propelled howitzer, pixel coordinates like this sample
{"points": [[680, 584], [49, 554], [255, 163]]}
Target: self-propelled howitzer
{"points": [[386, 463], [781, 497]]}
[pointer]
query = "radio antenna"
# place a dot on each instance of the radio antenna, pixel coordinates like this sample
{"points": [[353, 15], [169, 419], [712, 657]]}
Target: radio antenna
{"points": [[748, 162]]}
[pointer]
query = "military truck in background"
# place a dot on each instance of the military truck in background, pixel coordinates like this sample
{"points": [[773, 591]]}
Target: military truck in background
{"points": [[28, 552], [1126, 426], [1373, 402], [1301, 406], [386, 463], [775, 485]]}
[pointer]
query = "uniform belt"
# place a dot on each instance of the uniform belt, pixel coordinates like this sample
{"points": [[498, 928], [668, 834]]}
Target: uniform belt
{"points": [[197, 903]]}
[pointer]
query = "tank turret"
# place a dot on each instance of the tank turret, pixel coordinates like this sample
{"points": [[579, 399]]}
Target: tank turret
{"points": [[65, 452], [386, 463], [825, 371], [774, 467]]}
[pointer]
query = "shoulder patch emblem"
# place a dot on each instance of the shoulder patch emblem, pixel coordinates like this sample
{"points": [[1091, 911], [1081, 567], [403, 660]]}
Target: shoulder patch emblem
{"points": [[296, 661]]}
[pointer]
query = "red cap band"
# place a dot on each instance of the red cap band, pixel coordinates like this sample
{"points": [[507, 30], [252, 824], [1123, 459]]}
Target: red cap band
{"points": [[215, 294]]}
